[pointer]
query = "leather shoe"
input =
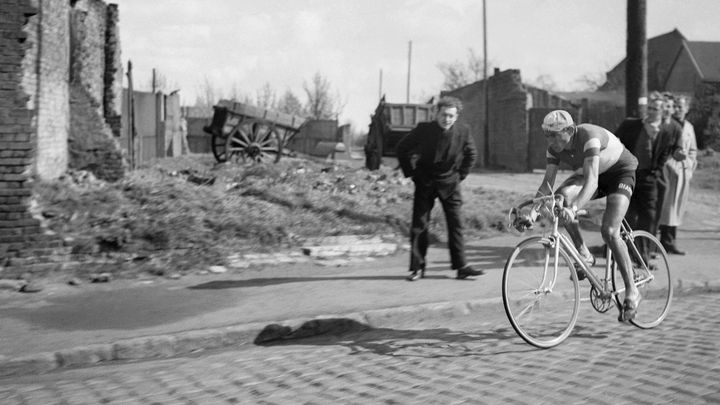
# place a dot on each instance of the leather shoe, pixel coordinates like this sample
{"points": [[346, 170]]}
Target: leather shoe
{"points": [[468, 271], [416, 275]]}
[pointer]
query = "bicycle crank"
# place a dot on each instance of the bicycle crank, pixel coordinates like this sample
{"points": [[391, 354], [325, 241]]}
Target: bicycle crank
{"points": [[601, 302]]}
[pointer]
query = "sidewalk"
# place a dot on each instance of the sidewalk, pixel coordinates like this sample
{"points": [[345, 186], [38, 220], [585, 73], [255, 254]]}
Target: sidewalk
{"points": [[65, 326]]}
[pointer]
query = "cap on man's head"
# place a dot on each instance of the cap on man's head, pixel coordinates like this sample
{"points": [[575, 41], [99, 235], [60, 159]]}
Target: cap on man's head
{"points": [[557, 121]]}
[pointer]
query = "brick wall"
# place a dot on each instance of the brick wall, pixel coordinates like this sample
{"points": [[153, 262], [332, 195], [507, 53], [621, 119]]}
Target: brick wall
{"points": [[507, 122], [19, 231], [93, 88], [473, 115], [508, 125], [39, 107], [53, 91], [112, 97]]}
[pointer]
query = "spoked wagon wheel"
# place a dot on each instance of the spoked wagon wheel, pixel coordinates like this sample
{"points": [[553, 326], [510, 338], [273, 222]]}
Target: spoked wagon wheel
{"points": [[254, 141], [218, 147]]}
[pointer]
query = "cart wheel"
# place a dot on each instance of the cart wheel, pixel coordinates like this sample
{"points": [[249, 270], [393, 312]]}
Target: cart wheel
{"points": [[254, 141], [218, 147]]}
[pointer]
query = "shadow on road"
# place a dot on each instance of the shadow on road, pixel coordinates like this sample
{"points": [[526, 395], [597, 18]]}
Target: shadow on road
{"points": [[362, 338], [481, 257]]}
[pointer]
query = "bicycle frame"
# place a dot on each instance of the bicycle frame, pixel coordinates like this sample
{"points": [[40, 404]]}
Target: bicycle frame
{"points": [[540, 304], [603, 286]]}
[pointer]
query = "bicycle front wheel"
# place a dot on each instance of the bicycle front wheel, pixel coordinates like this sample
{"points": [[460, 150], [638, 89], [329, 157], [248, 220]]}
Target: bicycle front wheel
{"points": [[651, 273], [540, 295]]}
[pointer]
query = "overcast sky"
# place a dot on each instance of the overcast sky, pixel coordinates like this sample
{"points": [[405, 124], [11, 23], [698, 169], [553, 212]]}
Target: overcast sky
{"points": [[247, 43]]}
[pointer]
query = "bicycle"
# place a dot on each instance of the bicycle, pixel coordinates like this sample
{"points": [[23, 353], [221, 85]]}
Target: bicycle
{"points": [[542, 301]]}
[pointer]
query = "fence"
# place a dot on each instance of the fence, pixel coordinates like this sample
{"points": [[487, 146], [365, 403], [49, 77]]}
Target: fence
{"points": [[152, 128]]}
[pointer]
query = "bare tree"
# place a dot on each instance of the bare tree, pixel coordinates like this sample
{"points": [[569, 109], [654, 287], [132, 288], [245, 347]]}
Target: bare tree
{"points": [[207, 95], [158, 82], [235, 94], [289, 103], [458, 74], [545, 82], [266, 97], [321, 104], [590, 82]]}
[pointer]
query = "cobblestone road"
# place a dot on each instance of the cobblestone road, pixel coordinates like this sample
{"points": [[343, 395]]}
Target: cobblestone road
{"points": [[463, 361]]}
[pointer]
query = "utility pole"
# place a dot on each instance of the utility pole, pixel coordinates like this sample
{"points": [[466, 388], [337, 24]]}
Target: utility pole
{"points": [[407, 95], [636, 59], [133, 144], [486, 145], [380, 86]]}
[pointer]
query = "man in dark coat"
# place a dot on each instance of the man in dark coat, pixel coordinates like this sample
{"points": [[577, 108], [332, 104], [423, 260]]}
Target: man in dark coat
{"points": [[652, 140], [438, 155]]}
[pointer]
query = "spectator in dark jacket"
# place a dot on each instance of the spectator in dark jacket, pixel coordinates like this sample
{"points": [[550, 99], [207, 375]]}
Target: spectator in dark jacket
{"points": [[652, 140], [438, 155]]}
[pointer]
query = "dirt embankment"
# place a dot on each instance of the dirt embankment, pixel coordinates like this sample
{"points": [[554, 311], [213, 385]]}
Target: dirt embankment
{"points": [[185, 212]]}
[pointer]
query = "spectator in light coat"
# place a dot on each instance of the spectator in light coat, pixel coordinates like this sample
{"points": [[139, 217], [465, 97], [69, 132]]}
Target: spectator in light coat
{"points": [[677, 172]]}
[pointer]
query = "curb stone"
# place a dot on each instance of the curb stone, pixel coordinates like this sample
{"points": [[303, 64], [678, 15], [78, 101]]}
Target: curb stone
{"points": [[183, 343], [318, 254]]}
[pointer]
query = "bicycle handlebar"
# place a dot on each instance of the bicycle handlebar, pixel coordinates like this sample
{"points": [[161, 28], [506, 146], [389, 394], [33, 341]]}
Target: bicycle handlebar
{"points": [[542, 207]]}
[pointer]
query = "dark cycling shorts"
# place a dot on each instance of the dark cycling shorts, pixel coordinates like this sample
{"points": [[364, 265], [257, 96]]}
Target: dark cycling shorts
{"points": [[620, 181]]}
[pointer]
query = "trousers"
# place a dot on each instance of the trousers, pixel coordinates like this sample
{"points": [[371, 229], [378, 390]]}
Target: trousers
{"points": [[643, 208], [424, 199]]}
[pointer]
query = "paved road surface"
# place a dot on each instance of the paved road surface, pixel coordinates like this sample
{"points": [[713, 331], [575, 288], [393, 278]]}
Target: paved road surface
{"points": [[473, 360]]}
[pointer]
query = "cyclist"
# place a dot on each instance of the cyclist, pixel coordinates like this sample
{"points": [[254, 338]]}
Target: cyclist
{"points": [[602, 168]]}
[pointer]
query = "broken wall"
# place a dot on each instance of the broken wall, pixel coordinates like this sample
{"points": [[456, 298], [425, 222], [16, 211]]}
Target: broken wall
{"points": [[94, 88], [60, 80]]}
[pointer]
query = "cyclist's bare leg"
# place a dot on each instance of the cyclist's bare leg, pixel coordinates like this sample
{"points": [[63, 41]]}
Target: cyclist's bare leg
{"points": [[617, 205], [573, 229]]}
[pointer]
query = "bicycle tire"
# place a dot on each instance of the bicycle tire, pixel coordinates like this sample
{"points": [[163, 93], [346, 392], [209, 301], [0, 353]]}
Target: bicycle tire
{"points": [[657, 292], [543, 317]]}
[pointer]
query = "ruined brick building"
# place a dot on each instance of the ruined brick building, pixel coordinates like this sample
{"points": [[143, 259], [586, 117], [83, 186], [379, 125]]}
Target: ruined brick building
{"points": [[60, 102]]}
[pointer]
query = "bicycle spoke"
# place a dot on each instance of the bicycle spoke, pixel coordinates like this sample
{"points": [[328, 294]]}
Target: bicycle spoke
{"points": [[651, 275], [540, 300]]}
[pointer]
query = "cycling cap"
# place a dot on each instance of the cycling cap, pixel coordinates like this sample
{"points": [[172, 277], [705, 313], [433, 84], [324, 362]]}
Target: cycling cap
{"points": [[557, 121]]}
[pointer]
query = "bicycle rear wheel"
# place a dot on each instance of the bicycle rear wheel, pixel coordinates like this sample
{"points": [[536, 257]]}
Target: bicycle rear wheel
{"points": [[651, 273], [541, 300]]}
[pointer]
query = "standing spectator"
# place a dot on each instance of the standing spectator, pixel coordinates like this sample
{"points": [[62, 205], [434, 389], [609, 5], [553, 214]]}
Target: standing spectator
{"points": [[652, 141], [438, 155], [668, 109], [677, 173]]}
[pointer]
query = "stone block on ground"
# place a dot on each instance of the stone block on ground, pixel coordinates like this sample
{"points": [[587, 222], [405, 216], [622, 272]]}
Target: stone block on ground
{"points": [[145, 348], [83, 356], [33, 364]]}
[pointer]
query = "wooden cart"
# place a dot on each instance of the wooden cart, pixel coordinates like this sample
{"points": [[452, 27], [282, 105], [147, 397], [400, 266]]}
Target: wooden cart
{"points": [[242, 132]]}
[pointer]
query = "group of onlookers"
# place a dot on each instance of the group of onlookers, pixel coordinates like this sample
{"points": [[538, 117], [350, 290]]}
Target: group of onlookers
{"points": [[665, 146], [648, 186]]}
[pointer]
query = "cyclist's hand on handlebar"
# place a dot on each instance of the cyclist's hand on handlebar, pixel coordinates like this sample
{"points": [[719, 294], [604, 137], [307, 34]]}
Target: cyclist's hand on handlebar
{"points": [[567, 215], [523, 223]]}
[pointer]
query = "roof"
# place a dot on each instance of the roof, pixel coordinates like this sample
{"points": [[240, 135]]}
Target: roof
{"points": [[707, 58], [663, 51], [612, 97]]}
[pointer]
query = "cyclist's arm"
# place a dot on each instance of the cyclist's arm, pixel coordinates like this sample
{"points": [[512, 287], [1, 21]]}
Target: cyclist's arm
{"points": [[548, 181], [591, 171]]}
